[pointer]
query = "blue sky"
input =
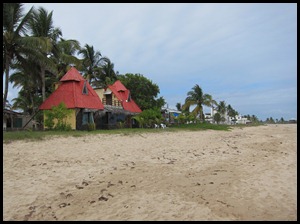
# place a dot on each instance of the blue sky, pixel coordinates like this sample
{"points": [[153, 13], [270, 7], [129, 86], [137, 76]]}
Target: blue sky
{"points": [[242, 53]]}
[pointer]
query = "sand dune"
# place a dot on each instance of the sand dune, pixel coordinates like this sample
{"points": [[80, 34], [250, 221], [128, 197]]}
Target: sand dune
{"points": [[245, 174]]}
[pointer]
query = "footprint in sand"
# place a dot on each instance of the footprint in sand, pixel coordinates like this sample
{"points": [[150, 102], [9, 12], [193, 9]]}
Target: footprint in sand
{"points": [[85, 183], [69, 195], [63, 195], [110, 184], [102, 198], [78, 187], [62, 205], [103, 190]]}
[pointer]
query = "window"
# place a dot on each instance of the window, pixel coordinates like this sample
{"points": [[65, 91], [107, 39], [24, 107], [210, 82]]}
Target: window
{"points": [[129, 97], [85, 90], [17, 122], [87, 117]]}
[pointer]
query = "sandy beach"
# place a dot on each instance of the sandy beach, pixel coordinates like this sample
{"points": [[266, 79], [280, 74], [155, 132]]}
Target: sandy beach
{"points": [[247, 173]]}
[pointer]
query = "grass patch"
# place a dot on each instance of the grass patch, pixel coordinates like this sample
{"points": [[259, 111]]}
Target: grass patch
{"points": [[10, 136], [202, 126]]}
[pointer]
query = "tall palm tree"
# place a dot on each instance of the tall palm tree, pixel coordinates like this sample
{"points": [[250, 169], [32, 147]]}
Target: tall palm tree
{"points": [[210, 102], [14, 40], [63, 55], [231, 111], [26, 77], [91, 62], [196, 97], [41, 25], [222, 109], [106, 74]]}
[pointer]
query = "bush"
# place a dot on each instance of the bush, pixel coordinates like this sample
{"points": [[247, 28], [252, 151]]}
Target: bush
{"points": [[149, 117], [91, 126], [60, 114]]}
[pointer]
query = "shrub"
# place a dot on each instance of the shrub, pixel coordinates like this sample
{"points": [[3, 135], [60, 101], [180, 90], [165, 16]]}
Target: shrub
{"points": [[91, 126], [59, 114], [149, 117]]}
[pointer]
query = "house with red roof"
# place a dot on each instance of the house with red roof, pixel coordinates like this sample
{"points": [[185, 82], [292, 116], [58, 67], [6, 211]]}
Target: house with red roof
{"points": [[119, 107], [78, 96]]}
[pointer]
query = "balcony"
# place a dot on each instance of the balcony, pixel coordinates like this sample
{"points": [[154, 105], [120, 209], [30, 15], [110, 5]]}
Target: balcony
{"points": [[111, 103]]}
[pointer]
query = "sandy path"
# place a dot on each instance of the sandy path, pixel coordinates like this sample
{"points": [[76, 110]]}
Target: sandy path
{"points": [[244, 174]]}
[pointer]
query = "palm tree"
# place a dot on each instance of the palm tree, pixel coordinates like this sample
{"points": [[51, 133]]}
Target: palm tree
{"points": [[107, 75], [14, 40], [41, 25], [91, 62], [196, 97], [222, 109], [254, 119], [209, 101], [178, 106], [217, 117], [63, 55], [27, 79], [231, 112]]}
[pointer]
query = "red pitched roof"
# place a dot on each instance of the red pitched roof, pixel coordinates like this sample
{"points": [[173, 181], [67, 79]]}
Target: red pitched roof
{"points": [[123, 95], [71, 93], [72, 75]]}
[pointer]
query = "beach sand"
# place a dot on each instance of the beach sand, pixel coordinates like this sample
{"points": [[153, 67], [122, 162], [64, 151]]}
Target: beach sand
{"points": [[247, 173]]}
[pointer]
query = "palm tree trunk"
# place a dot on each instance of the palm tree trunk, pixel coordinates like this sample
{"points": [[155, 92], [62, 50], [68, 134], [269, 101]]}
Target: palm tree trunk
{"points": [[6, 80], [32, 105], [201, 113], [43, 83]]}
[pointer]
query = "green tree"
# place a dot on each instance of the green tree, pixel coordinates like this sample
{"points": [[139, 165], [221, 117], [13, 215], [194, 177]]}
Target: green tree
{"points": [[272, 120], [178, 106], [63, 56], [142, 90], [196, 97], [248, 117], [15, 42], [209, 101], [217, 117], [108, 74], [27, 80], [231, 111], [254, 119], [41, 25], [90, 63], [222, 108]]}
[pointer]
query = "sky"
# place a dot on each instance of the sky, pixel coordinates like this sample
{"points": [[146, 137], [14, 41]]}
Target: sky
{"points": [[241, 53]]}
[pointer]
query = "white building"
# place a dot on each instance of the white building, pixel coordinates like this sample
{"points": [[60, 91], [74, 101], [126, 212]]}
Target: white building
{"points": [[169, 114], [241, 120], [238, 119]]}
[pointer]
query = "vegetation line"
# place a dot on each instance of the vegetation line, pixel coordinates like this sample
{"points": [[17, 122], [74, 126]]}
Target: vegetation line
{"points": [[9, 137]]}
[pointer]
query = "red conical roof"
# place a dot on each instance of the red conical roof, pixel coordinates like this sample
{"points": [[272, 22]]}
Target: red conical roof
{"points": [[72, 75], [72, 93]]}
